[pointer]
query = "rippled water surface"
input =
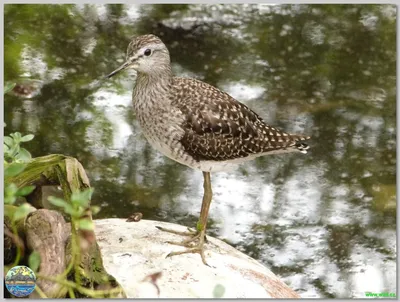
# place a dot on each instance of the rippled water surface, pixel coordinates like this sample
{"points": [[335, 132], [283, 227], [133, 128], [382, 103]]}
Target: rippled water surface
{"points": [[325, 222]]}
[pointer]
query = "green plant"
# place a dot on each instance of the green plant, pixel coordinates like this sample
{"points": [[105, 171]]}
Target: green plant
{"points": [[15, 162], [77, 207], [12, 149], [15, 159]]}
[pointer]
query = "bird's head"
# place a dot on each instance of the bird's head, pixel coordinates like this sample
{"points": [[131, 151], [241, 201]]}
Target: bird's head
{"points": [[146, 54]]}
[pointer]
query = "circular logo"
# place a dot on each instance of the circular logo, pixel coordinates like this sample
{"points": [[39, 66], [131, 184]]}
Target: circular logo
{"points": [[20, 281]]}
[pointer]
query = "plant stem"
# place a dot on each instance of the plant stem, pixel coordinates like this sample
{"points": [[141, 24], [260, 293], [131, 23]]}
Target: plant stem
{"points": [[19, 250], [76, 257], [71, 293], [88, 292], [40, 292]]}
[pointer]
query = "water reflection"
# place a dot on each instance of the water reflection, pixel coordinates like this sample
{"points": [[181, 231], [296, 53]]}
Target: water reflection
{"points": [[324, 222]]}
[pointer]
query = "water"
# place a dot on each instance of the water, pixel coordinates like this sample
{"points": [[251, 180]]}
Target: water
{"points": [[325, 222]]}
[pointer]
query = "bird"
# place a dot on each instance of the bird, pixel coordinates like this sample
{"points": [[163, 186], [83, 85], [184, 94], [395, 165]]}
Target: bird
{"points": [[197, 125]]}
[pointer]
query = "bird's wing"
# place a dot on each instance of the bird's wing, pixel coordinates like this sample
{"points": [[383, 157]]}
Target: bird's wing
{"points": [[217, 127]]}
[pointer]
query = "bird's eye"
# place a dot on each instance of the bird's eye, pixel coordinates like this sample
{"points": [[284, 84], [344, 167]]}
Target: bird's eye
{"points": [[147, 52]]}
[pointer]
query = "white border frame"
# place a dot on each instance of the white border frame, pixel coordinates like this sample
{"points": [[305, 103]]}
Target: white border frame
{"points": [[5, 2]]}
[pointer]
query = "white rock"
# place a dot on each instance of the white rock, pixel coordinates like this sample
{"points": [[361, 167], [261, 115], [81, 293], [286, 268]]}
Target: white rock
{"points": [[134, 250]]}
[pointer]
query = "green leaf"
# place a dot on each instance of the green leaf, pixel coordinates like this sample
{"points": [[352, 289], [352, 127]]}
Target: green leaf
{"points": [[80, 211], [87, 194], [25, 191], [22, 211], [11, 189], [5, 148], [219, 291], [24, 155], [34, 261], [9, 211], [8, 141], [10, 199], [14, 169], [17, 136], [27, 138], [82, 198], [86, 224], [9, 193], [71, 211], [8, 87], [14, 150], [58, 202], [95, 210]]}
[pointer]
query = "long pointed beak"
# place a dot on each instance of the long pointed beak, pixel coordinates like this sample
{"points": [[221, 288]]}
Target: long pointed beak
{"points": [[122, 67]]}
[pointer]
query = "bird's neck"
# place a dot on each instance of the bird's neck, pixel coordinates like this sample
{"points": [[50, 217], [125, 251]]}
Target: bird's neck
{"points": [[151, 89]]}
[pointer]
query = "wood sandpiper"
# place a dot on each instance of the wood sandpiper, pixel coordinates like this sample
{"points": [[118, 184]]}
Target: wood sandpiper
{"points": [[196, 124]]}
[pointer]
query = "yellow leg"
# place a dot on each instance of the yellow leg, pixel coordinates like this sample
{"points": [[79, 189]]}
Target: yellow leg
{"points": [[200, 234]]}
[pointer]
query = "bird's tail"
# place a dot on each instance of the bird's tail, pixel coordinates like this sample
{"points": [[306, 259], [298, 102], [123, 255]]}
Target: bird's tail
{"points": [[302, 147]]}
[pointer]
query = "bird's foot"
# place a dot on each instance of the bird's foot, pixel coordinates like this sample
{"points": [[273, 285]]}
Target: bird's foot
{"points": [[189, 231], [192, 247], [193, 234], [194, 244]]}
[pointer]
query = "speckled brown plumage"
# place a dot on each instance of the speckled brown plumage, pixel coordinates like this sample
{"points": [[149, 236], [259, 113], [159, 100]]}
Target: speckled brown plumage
{"points": [[193, 122], [217, 127]]}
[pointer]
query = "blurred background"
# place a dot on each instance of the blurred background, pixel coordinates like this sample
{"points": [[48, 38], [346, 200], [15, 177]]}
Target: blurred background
{"points": [[324, 222]]}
